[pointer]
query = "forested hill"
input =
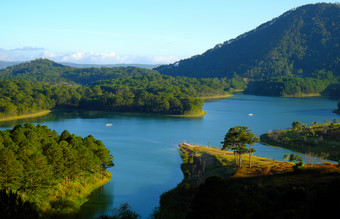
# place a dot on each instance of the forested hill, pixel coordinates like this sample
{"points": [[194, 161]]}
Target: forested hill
{"points": [[47, 71], [299, 42], [43, 84]]}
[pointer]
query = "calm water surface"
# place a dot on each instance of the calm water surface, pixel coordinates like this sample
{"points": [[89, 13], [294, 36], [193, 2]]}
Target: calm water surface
{"points": [[145, 146]]}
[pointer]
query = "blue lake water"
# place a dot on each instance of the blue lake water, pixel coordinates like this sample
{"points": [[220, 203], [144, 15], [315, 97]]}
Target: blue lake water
{"points": [[145, 146]]}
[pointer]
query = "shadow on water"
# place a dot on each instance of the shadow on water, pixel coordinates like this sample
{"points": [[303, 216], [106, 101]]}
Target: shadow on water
{"points": [[100, 202]]}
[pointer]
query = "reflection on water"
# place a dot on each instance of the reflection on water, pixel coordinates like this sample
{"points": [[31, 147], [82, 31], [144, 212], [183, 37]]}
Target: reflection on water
{"points": [[145, 146]]}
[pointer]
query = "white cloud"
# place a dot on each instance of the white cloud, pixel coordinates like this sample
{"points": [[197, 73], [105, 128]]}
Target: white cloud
{"points": [[30, 53], [164, 59], [28, 48]]}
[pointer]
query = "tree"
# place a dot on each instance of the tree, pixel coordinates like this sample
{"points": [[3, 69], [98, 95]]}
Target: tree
{"points": [[297, 125], [11, 170], [292, 157], [13, 206], [237, 140]]}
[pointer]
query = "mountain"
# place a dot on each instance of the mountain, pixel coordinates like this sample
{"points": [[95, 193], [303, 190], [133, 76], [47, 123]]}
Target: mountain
{"points": [[299, 42], [5, 64]]}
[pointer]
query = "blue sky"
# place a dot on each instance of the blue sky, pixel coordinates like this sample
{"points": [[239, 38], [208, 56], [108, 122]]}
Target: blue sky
{"points": [[127, 31]]}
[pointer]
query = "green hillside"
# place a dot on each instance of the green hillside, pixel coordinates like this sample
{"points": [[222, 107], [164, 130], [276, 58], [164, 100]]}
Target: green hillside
{"points": [[300, 43]]}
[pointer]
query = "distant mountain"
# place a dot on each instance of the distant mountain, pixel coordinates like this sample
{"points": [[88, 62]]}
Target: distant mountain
{"points": [[47, 71], [5, 64], [299, 42], [109, 66]]}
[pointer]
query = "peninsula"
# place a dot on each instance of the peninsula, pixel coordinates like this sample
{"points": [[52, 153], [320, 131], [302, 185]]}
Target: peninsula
{"points": [[214, 187]]}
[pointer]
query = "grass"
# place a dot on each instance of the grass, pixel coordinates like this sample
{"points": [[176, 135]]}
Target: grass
{"points": [[41, 113], [65, 199], [213, 161], [190, 115], [90, 188], [217, 96], [304, 95]]}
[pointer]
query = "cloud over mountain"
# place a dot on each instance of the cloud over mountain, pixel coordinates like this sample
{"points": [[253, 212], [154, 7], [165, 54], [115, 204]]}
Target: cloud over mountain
{"points": [[29, 53]]}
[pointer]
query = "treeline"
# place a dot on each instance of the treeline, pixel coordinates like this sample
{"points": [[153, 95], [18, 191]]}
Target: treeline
{"points": [[37, 163], [294, 86], [142, 91], [24, 97]]}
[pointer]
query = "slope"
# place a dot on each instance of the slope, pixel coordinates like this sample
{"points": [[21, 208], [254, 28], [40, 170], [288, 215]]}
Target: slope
{"points": [[299, 42]]}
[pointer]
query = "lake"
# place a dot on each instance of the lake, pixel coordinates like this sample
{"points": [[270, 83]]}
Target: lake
{"points": [[144, 147]]}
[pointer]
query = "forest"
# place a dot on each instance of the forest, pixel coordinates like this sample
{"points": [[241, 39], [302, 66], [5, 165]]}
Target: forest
{"points": [[50, 170], [43, 84]]}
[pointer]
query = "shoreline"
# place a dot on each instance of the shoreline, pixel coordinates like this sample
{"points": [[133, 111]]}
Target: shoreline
{"points": [[88, 191], [318, 140], [217, 96], [32, 115], [78, 198], [302, 95], [196, 115]]}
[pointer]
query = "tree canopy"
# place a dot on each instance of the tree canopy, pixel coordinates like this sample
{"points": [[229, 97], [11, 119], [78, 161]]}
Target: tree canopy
{"points": [[35, 161]]}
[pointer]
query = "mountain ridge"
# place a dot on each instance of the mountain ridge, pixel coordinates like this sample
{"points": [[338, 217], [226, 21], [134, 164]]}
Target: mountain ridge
{"points": [[299, 42]]}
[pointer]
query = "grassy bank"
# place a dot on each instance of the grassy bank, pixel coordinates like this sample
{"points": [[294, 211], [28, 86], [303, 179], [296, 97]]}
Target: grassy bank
{"points": [[190, 115], [83, 197], [217, 96], [304, 95], [67, 198], [41, 113]]}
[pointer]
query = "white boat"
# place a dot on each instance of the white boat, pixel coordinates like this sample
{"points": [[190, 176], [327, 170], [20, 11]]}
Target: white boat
{"points": [[250, 114], [108, 124]]}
